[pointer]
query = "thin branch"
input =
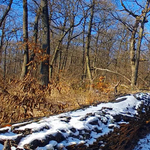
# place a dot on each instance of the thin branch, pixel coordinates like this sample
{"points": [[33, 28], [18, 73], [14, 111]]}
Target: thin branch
{"points": [[6, 12], [75, 36], [36, 3], [112, 72], [124, 23], [130, 12], [139, 4], [144, 81]]}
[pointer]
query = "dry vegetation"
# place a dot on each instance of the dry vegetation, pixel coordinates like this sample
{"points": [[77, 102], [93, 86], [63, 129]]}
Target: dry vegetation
{"points": [[83, 55], [21, 100]]}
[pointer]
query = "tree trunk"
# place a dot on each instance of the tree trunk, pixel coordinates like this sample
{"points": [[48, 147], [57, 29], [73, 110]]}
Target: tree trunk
{"points": [[25, 40], [45, 43], [5, 53], [83, 59], [135, 53], [87, 49], [55, 54], [2, 38], [35, 37]]}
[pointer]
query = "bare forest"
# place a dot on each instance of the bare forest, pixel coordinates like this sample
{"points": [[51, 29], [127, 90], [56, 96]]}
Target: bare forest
{"points": [[62, 55]]}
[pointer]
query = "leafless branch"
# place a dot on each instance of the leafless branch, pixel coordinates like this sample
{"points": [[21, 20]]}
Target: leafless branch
{"points": [[130, 12], [129, 27], [36, 3], [139, 4], [6, 12], [112, 72]]}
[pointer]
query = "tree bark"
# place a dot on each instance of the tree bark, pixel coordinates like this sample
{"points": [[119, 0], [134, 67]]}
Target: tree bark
{"points": [[35, 37], [87, 49], [45, 43], [135, 52], [25, 40], [2, 40], [83, 59], [136, 48]]}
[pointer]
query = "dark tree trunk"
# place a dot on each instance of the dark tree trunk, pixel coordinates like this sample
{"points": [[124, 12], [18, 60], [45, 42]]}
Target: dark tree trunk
{"points": [[45, 43], [25, 40], [35, 37], [2, 39]]}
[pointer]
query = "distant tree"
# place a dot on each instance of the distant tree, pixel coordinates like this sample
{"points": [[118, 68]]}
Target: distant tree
{"points": [[63, 28]]}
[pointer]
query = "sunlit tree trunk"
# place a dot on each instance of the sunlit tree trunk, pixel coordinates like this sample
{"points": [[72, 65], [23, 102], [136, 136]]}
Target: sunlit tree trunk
{"points": [[87, 49], [135, 52], [83, 59], [135, 49]]}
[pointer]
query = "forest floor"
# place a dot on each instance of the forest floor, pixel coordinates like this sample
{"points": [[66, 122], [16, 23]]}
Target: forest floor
{"points": [[24, 100]]}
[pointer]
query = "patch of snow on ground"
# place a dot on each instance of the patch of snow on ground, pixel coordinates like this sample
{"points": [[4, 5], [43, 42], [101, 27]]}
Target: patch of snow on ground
{"points": [[79, 120], [143, 144]]}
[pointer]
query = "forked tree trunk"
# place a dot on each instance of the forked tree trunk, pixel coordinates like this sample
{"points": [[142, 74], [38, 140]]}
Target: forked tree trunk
{"points": [[135, 52], [136, 48]]}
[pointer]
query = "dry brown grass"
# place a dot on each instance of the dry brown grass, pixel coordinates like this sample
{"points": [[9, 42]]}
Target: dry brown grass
{"points": [[27, 99]]}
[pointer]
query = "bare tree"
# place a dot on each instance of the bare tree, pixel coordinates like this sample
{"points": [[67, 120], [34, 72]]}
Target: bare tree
{"points": [[45, 43], [2, 24], [35, 37], [135, 49], [65, 28], [25, 40], [87, 46]]}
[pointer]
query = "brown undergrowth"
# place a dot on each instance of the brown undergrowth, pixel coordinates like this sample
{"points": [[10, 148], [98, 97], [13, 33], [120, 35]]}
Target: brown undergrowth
{"points": [[21, 100]]}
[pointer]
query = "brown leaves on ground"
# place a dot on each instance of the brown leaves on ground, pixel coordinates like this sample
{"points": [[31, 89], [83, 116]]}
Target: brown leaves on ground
{"points": [[28, 99], [21, 100]]}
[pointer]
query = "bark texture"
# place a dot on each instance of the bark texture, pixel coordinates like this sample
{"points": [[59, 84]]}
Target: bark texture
{"points": [[87, 49], [45, 43], [25, 40]]}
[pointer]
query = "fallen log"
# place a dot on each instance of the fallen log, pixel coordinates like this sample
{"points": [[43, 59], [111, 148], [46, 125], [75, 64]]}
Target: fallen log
{"points": [[114, 126]]}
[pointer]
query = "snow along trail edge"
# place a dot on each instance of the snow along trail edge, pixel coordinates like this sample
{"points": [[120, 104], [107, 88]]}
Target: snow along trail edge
{"points": [[81, 127]]}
